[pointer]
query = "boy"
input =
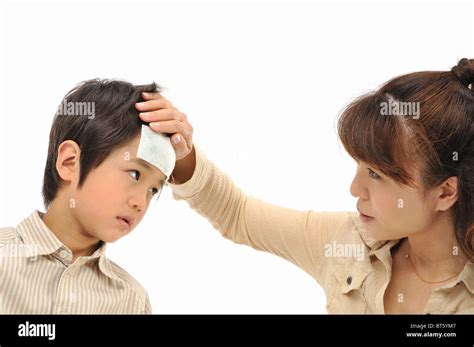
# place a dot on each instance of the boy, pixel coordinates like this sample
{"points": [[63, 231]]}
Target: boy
{"points": [[101, 173]]}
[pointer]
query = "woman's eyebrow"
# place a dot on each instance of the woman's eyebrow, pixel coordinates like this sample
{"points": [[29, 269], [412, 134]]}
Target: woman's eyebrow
{"points": [[147, 166]]}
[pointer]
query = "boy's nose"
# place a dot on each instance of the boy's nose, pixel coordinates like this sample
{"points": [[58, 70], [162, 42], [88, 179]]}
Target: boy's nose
{"points": [[138, 202]]}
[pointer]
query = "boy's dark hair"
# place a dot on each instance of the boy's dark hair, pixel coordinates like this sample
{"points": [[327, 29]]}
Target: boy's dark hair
{"points": [[114, 122]]}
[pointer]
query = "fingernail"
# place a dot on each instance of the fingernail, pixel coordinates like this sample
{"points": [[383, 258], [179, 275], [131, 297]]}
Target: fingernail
{"points": [[144, 114], [139, 104], [155, 125], [177, 140]]}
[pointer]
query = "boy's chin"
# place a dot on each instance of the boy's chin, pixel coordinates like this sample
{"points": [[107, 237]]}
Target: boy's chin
{"points": [[113, 235]]}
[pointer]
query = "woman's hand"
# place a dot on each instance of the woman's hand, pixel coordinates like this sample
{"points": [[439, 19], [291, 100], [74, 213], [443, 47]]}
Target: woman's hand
{"points": [[165, 118]]}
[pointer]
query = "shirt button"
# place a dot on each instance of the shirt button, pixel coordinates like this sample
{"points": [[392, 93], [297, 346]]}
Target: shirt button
{"points": [[64, 254], [349, 280]]}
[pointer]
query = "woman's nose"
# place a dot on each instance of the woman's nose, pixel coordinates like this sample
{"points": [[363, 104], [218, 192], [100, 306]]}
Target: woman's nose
{"points": [[354, 189], [358, 188]]}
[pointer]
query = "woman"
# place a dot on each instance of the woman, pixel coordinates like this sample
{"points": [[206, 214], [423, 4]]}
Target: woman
{"points": [[410, 249]]}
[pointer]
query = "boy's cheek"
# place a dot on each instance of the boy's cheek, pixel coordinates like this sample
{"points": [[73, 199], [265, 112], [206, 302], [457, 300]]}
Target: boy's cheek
{"points": [[107, 194]]}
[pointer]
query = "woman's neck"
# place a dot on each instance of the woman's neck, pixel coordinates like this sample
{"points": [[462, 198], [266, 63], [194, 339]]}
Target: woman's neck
{"points": [[436, 253]]}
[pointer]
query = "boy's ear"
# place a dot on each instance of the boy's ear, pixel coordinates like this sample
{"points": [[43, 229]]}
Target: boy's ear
{"points": [[68, 161], [447, 193]]}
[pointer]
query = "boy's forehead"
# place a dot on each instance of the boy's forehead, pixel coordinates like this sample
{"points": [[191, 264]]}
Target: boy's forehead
{"points": [[128, 150], [133, 143], [152, 169], [128, 153], [153, 150]]}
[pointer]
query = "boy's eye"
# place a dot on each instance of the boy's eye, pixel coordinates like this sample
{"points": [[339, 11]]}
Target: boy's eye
{"points": [[154, 191], [135, 177], [135, 174], [373, 174]]}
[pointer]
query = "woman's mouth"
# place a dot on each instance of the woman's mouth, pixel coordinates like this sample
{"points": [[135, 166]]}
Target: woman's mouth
{"points": [[364, 218]]}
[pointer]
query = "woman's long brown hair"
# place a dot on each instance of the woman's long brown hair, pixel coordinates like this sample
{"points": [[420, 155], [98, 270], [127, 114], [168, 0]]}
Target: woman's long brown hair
{"points": [[420, 122]]}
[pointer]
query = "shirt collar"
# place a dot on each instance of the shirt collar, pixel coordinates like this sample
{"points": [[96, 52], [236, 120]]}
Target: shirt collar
{"points": [[467, 276], [39, 240], [106, 267], [370, 242]]}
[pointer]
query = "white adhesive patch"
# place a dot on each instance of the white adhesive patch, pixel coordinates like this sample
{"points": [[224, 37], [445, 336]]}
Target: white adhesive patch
{"points": [[156, 149]]}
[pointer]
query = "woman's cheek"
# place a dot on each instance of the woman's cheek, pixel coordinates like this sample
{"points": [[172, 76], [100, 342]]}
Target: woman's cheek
{"points": [[389, 212], [408, 215]]}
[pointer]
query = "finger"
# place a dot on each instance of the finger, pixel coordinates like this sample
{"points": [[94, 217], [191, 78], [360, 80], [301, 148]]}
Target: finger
{"points": [[177, 141], [170, 127], [151, 95], [161, 115], [180, 146], [189, 142], [156, 96], [154, 104]]}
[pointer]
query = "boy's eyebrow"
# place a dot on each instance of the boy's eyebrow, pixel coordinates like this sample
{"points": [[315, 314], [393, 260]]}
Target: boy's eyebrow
{"points": [[145, 165]]}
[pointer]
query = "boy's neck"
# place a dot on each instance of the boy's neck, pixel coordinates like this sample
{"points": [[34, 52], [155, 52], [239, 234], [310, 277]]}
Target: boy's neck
{"points": [[66, 228]]}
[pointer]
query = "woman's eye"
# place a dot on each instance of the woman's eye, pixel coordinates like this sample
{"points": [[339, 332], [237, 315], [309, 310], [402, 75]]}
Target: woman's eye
{"points": [[373, 174], [136, 177]]}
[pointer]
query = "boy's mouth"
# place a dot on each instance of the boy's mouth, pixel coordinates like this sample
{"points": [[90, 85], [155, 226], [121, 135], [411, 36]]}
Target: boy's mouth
{"points": [[125, 221]]}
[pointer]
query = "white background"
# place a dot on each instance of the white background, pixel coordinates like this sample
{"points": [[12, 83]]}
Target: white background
{"points": [[262, 84]]}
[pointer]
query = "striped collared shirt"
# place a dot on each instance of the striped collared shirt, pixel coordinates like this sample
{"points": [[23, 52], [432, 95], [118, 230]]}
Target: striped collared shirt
{"points": [[37, 276]]}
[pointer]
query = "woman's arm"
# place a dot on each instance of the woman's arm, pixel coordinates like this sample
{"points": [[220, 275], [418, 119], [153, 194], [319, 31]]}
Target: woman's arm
{"points": [[298, 236]]}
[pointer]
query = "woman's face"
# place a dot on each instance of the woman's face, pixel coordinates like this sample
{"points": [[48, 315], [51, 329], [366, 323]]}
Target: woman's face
{"points": [[395, 211]]}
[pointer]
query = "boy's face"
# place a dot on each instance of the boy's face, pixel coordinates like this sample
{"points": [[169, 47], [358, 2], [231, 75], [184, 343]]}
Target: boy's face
{"points": [[116, 194]]}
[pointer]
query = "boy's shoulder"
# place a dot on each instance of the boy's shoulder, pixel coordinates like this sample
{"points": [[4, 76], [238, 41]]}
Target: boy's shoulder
{"points": [[125, 277], [134, 286]]}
